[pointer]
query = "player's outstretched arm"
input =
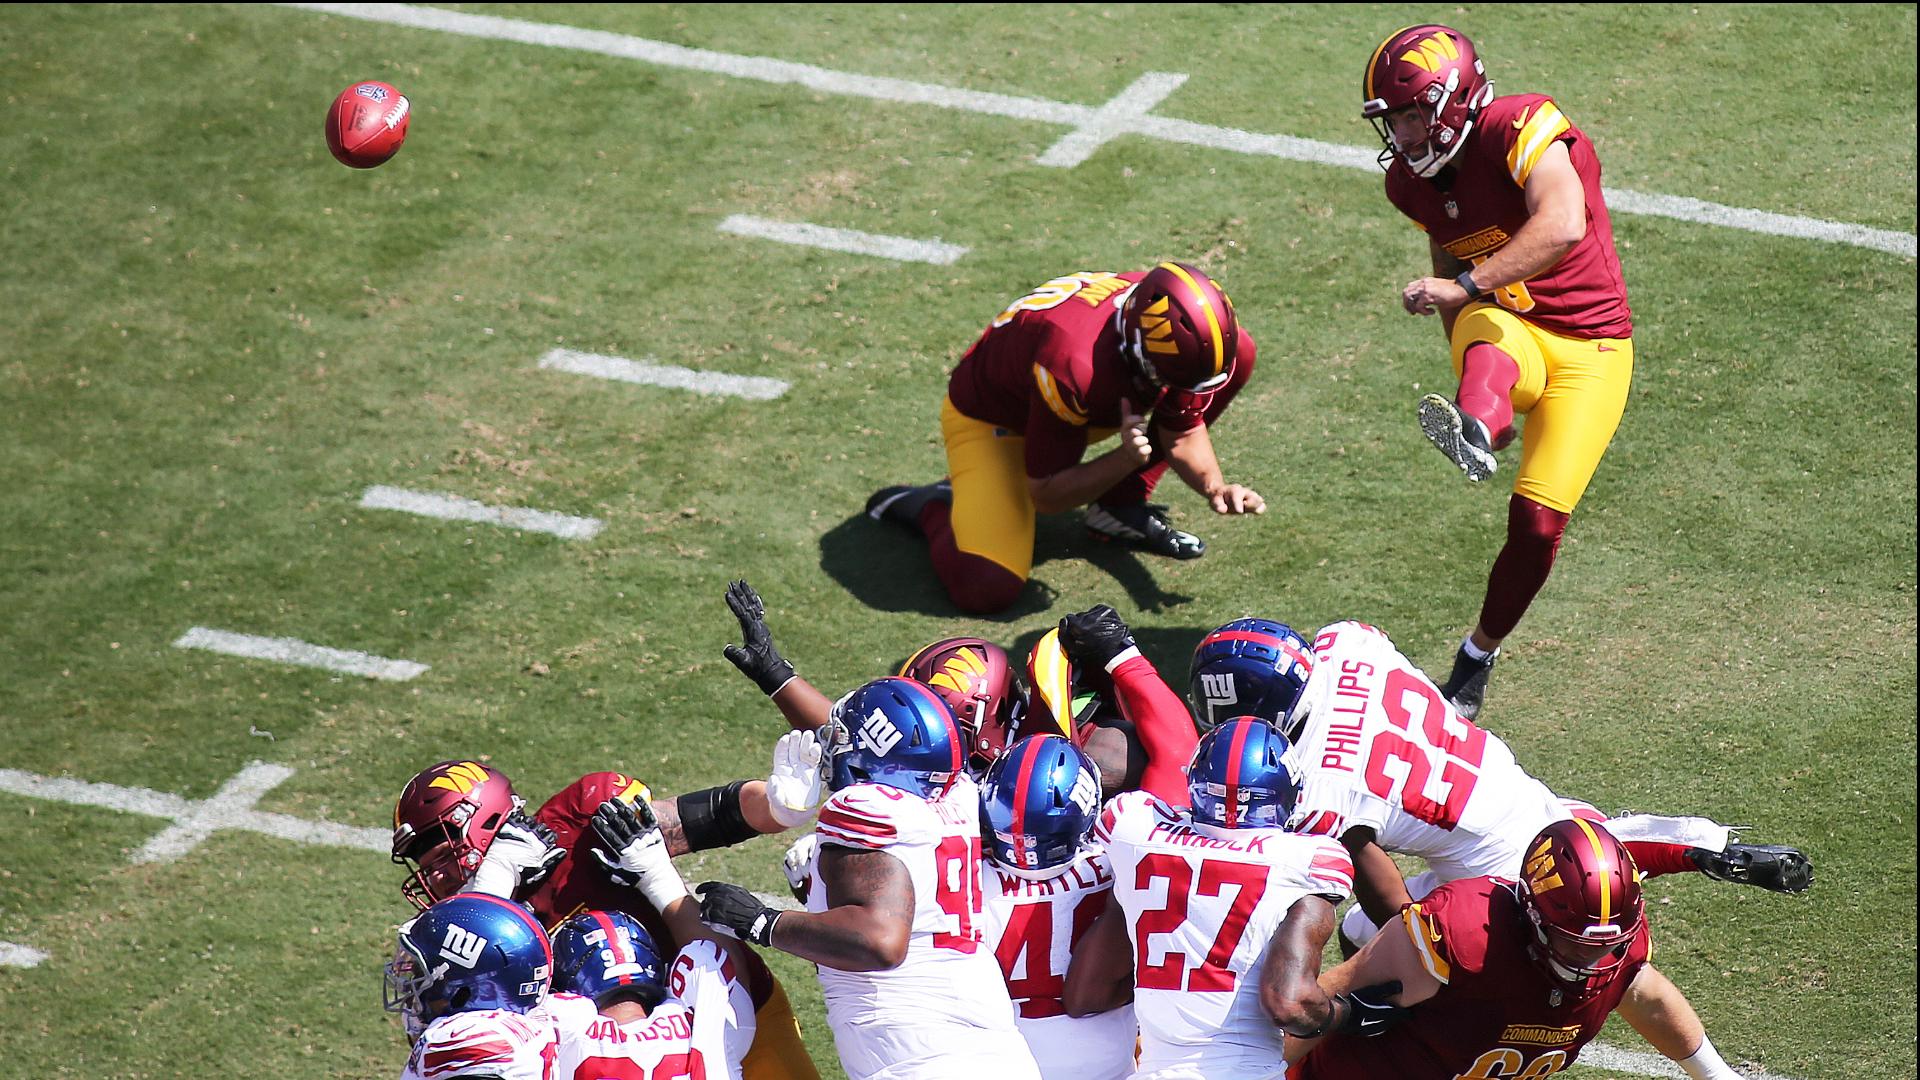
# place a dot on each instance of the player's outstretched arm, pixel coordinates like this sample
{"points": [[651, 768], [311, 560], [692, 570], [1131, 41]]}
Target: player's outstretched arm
{"points": [[1100, 975], [1377, 883], [867, 924], [1190, 453], [1662, 1015], [804, 707], [1099, 638], [1289, 977], [1390, 978]]}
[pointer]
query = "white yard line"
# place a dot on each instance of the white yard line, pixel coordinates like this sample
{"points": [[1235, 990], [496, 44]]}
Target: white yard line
{"points": [[898, 248], [1082, 117], [19, 956], [436, 504], [299, 654], [229, 809], [1109, 121], [647, 373], [1649, 1063]]}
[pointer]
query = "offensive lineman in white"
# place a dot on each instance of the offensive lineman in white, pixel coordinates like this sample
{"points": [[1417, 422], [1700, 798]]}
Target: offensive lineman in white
{"points": [[1204, 901], [1044, 888], [894, 910], [1387, 764]]}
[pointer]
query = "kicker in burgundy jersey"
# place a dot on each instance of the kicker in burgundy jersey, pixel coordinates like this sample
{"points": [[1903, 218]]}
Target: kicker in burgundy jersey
{"points": [[1497, 1013], [1049, 368], [1484, 203]]}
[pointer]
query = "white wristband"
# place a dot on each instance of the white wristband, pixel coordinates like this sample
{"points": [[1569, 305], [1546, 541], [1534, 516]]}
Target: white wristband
{"points": [[662, 886], [1122, 657], [1706, 1063]]}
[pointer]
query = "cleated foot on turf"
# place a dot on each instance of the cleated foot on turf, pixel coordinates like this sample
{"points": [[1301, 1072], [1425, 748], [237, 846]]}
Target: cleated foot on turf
{"points": [[1462, 438], [1466, 688], [1765, 866], [1145, 526], [902, 504]]}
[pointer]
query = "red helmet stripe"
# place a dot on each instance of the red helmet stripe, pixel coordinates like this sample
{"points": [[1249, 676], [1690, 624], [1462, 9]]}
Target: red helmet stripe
{"points": [[954, 741], [1233, 772], [525, 917], [1269, 640], [1213, 317], [1023, 770], [613, 944]]}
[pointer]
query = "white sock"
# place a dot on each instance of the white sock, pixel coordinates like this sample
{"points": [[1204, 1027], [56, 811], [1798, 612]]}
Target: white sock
{"points": [[1474, 651]]}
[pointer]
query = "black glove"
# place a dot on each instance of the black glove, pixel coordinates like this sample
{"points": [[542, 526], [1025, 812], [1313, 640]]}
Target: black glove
{"points": [[1368, 1011], [757, 659], [619, 824], [535, 874], [728, 907], [1092, 638]]}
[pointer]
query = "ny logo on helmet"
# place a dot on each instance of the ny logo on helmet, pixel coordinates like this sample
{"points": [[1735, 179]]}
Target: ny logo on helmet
{"points": [[1432, 53], [463, 946], [462, 778], [1218, 689], [1086, 793], [878, 734]]}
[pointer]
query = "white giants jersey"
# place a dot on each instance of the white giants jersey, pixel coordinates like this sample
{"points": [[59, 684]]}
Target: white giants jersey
{"points": [[1033, 927], [497, 1043], [1383, 749], [1200, 910], [703, 1028], [946, 997]]}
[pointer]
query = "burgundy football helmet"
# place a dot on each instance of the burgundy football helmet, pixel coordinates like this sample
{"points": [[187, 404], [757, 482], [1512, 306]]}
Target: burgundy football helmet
{"points": [[1433, 69], [978, 682], [1581, 891], [446, 817], [1178, 330]]}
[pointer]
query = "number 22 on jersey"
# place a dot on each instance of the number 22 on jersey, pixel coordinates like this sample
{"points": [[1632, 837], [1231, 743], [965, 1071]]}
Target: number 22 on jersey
{"points": [[1447, 743]]}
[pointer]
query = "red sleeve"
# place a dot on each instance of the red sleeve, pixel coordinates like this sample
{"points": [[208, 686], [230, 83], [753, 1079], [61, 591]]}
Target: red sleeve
{"points": [[1164, 727], [568, 812]]}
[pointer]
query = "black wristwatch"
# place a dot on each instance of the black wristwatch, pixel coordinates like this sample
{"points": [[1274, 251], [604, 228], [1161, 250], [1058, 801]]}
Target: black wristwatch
{"points": [[1465, 281]]}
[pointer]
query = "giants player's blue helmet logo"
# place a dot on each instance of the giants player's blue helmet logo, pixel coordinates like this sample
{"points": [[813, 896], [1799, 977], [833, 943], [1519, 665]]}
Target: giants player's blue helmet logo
{"points": [[1249, 667], [895, 732], [1239, 779], [1036, 805], [608, 956], [470, 951]]}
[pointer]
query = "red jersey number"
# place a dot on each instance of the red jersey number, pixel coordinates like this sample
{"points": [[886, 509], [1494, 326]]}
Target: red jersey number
{"points": [[687, 1066], [1446, 736], [956, 868], [1029, 933], [1216, 875]]}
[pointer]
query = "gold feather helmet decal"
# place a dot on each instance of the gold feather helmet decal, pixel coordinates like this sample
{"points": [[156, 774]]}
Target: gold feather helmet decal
{"points": [[960, 671], [461, 778], [1539, 869]]}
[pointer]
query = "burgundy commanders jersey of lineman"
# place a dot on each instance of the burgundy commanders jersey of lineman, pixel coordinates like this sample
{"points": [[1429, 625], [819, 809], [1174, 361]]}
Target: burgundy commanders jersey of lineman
{"points": [[1050, 367], [1498, 1013], [1484, 203]]}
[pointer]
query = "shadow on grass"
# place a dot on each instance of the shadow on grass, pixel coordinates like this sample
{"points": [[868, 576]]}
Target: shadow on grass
{"points": [[887, 569]]}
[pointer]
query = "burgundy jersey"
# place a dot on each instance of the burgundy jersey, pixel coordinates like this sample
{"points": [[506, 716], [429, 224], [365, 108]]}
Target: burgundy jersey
{"points": [[1497, 1013], [1484, 204], [1049, 368]]}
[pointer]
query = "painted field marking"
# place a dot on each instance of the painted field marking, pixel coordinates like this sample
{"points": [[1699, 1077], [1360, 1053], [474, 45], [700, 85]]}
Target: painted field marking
{"points": [[1649, 1063], [1115, 118], [229, 809], [647, 373], [852, 241], [437, 504], [19, 956], [299, 654], [876, 88]]}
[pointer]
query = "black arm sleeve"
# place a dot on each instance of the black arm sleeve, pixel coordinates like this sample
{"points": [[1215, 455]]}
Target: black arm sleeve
{"points": [[712, 818]]}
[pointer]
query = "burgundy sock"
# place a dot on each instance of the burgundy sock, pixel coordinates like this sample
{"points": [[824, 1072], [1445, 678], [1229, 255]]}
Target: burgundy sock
{"points": [[1533, 537], [976, 584], [1487, 375]]}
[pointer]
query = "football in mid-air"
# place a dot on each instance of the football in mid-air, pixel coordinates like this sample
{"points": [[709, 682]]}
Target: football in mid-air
{"points": [[367, 124]]}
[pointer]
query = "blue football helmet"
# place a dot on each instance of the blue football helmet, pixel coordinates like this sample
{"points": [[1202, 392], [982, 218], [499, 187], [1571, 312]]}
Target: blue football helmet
{"points": [[470, 951], [1249, 667], [1238, 780], [894, 732], [608, 956], [1036, 804]]}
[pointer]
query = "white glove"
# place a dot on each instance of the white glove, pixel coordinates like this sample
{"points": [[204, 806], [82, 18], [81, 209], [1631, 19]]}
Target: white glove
{"points": [[519, 857], [798, 863], [634, 851], [796, 789]]}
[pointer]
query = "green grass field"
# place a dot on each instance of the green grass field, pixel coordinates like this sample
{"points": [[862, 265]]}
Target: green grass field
{"points": [[213, 338]]}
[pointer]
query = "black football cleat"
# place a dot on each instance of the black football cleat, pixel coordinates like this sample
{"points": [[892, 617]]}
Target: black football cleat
{"points": [[1145, 526], [1466, 688], [902, 504], [1765, 866], [1462, 438]]}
